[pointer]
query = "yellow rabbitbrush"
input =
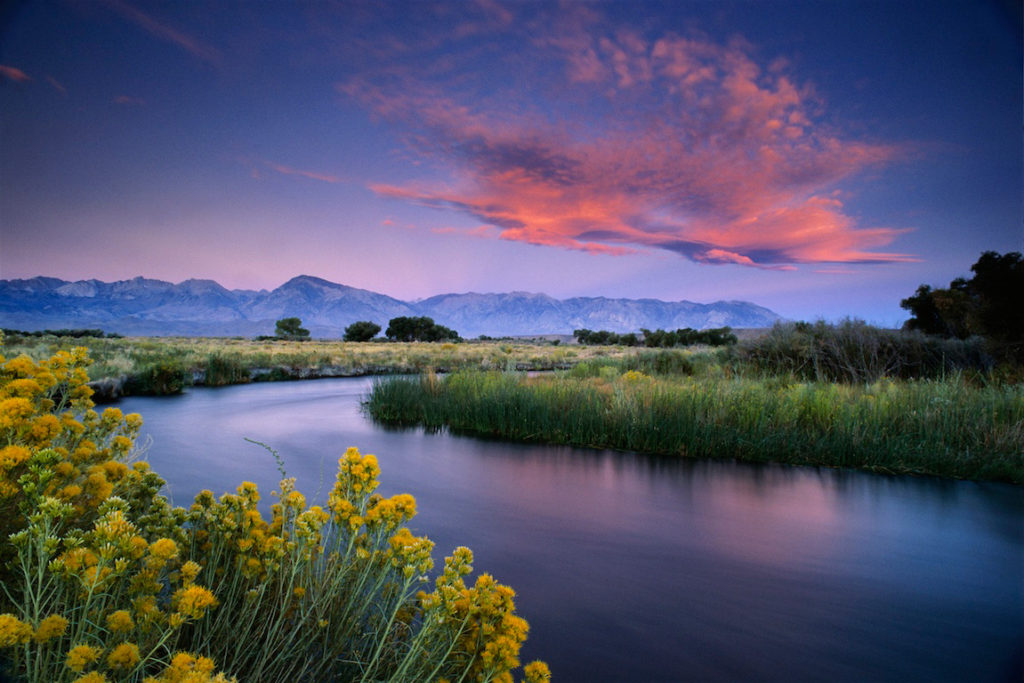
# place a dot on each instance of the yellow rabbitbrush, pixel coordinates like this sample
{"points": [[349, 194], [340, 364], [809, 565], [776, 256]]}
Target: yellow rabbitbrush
{"points": [[103, 580]]}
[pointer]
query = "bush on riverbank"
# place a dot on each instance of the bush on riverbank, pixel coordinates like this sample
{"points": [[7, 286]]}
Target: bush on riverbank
{"points": [[854, 351], [949, 428], [104, 581]]}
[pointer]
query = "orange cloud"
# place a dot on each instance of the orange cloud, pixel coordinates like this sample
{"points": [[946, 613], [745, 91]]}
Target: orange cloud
{"points": [[697, 150], [14, 74]]}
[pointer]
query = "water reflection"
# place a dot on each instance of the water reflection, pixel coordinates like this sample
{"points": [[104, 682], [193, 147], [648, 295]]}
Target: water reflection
{"points": [[636, 568]]}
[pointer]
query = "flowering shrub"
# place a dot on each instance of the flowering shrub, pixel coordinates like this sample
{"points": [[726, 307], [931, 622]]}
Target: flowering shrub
{"points": [[104, 581]]}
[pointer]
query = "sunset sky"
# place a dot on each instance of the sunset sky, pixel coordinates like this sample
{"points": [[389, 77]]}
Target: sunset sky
{"points": [[820, 158]]}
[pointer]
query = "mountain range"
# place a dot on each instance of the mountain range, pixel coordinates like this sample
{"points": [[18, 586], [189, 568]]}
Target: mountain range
{"points": [[142, 306]]}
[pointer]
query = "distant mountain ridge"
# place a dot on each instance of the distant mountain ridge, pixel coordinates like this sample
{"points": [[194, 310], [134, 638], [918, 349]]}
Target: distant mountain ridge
{"points": [[142, 306]]}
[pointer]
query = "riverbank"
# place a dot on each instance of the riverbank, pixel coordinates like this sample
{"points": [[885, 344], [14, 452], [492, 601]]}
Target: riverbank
{"points": [[166, 365], [948, 428]]}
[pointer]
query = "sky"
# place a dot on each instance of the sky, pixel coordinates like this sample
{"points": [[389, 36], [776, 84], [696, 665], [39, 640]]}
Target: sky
{"points": [[821, 158]]}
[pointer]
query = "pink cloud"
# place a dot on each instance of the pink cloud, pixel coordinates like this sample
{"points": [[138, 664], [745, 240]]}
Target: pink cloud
{"points": [[391, 223], [312, 175], [698, 151], [165, 32], [57, 85], [11, 73], [130, 101]]}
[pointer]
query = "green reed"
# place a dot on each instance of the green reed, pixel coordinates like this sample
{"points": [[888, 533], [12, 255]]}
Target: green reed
{"points": [[948, 428]]}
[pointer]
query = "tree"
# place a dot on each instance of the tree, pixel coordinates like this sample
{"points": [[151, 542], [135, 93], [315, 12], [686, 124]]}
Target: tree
{"points": [[998, 284], [291, 328], [924, 313], [630, 339], [582, 335], [717, 336], [405, 328], [436, 333], [988, 305], [361, 331]]}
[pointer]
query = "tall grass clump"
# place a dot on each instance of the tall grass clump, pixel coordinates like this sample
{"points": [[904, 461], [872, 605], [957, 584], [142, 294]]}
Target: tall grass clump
{"points": [[161, 377], [103, 580], [854, 351], [221, 369], [951, 428], [663, 362]]}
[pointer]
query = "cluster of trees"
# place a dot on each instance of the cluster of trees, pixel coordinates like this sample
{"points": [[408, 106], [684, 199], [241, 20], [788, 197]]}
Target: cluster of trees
{"points": [[989, 305], [604, 337], [406, 328], [687, 336], [402, 328], [76, 333]]}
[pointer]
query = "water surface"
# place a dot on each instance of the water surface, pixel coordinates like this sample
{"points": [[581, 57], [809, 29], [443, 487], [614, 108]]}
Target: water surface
{"points": [[635, 568]]}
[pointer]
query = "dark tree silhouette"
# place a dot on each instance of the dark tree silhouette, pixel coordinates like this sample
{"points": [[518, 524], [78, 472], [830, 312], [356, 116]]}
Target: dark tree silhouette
{"points": [[361, 331], [988, 305], [405, 328]]}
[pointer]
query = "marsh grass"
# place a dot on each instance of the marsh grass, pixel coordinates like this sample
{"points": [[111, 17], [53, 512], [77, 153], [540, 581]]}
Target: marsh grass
{"points": [[950, 428]]}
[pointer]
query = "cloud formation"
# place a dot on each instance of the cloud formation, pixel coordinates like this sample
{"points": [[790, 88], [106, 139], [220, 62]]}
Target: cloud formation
{"points": [[15, 74], [635, 142], [312, 175], [57, 85], [166, 32]]}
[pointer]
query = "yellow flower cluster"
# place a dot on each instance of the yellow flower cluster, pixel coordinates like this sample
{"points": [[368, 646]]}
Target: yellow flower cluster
{"points": [[123, 657], [188, 668], [53, 626], [91, 677], [163, 549], [13, 631], [193, 601], [490, 634], [634, 376], [390, 513], [45, 408], [81, 656], [234, 526], [357, 477], [411, 553], [120, 621], [120, 564], [537, 672]]}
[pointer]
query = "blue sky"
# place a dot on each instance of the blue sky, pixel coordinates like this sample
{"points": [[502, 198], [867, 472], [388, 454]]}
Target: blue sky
{"points": [[818, 158]]}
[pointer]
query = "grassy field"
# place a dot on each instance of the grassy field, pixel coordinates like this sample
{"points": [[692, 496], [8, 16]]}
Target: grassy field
{"points": [[160, 365], [952, 427]]}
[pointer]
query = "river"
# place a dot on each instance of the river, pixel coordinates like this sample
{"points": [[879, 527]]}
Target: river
{"points": [[637, 568]]}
